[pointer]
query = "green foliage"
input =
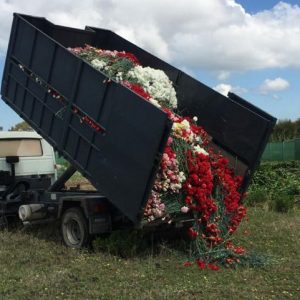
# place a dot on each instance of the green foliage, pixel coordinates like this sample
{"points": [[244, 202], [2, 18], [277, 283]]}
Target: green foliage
{"points": [[116, 64], [256, 197], [181, 147], [277, 182], [22, 126], [277, 177], [286, 130], [282, 203], [173, 203]]}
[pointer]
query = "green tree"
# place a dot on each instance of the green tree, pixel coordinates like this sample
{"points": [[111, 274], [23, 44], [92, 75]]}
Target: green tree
{"points": [[297, 128], [22, 126], [286, 130]]}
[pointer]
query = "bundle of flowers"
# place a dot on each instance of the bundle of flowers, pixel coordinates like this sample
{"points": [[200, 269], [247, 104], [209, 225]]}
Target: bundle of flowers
{"points": [[192, 178]]}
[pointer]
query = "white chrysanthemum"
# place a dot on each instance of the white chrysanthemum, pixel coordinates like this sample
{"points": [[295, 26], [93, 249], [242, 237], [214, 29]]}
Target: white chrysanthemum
{"points": [[119, 76], [156, 83], [98, 64], [198, 149], [181, 177]]}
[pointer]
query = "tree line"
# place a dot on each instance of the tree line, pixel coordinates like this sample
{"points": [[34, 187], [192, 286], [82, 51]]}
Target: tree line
{"points": [[22, 126], [286, 130]]}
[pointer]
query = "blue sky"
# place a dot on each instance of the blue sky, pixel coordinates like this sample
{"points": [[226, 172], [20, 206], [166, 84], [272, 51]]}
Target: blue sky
{"points": [[284, 105], [7, 116], [253, 6], [253, 52]]}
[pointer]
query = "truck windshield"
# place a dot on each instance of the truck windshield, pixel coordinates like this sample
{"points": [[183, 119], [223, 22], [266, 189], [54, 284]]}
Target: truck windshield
{"points": [[20, 147]]}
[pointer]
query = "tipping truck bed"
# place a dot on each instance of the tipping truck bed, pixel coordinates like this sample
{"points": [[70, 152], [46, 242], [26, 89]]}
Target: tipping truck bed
{"points": [[106, 131]]}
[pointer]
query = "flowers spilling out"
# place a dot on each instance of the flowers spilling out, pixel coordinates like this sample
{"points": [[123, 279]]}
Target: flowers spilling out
{"points": [[193, 180]]}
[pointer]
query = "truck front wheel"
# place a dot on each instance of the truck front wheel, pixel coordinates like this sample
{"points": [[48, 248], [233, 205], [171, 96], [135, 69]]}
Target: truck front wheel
{"points": [[74, 228]]}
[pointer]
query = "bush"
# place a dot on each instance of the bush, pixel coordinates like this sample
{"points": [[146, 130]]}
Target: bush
{"points": [[282, 202], [277, 177], [256, 197], [292, 188]]}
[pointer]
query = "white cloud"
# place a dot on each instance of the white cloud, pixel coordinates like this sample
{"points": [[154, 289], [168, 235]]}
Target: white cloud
{"points": [[273, 85], [216, 35], [224, 88], [223, 75]]}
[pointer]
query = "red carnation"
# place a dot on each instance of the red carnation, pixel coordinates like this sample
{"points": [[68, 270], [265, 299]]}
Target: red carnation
{"points": [[201, 264], [192, 233], [187, 264], [213, 267]]}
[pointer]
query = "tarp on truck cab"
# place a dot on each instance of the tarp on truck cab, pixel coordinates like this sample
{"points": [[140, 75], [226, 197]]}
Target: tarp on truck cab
{"points": [[121, 161]]}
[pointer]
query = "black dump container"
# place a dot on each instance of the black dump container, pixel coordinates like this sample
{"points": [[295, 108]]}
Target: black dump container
{"points": [[111, 135]]}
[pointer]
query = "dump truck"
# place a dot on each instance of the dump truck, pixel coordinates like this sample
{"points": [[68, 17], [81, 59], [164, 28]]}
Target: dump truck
{"points": [[107, 132]]}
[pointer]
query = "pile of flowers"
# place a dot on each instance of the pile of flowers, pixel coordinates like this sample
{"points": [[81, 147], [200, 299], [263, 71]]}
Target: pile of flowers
{"points": [[192, 179], [152, 84]]}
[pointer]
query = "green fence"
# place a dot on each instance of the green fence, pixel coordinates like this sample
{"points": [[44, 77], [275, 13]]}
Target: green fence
{"points": [[287, 150]]}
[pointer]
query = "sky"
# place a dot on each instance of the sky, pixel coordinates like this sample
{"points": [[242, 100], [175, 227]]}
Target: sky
{"points": [[251, 48]]}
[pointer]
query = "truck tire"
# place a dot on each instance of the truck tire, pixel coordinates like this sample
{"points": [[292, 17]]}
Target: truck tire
{"points": [[74, 228]]}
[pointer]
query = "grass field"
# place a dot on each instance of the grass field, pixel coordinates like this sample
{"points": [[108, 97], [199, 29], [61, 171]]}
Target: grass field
{"points": [[34, 265]]}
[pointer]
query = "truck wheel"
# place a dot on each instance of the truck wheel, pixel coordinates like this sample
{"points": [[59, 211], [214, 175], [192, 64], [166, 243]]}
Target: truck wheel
{"points": [[74, 228]]}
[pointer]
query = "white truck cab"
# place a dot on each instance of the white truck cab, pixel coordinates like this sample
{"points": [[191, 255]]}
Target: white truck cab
{"points": [[36, 156]]}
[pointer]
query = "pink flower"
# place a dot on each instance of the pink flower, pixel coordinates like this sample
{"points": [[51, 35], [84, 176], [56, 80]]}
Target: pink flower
{"points": [[170, 141], [184, 209]]}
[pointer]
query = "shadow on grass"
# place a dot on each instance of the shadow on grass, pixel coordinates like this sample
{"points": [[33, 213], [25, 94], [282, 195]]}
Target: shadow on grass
{"points": [[137, 243], [129, 243], [45, 232]]}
